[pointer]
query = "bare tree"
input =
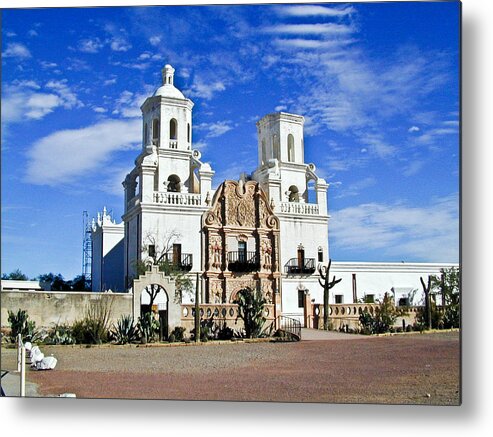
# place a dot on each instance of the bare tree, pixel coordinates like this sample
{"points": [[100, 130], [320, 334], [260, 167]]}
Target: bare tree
{"points": [[155, 250]]}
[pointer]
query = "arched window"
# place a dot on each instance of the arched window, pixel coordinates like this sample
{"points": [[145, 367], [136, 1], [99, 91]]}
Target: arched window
{"points": [[173, 128], [155, 130], [294, 195], [188, 132], [264, 153], [290, 148], [174, 184], [276, 147], [146, 134]]}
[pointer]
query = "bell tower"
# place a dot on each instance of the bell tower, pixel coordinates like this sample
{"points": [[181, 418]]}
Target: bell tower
{"points": [[166, 192], [281, 171]]}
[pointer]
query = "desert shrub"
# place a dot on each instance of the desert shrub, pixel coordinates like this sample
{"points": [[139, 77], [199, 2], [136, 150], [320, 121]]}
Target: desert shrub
{"points": [[94, 327], [177, 334], [125, 330], [386, 314], [225, 333]]}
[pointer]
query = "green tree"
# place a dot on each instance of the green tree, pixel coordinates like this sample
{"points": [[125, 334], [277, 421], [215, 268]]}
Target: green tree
{"points": [[386, 314], [80, 283], [446, 285], [15, 275], [251, 310], [55, 282]]}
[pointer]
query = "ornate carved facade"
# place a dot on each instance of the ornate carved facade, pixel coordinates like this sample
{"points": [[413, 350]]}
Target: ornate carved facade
{"points": [[241, 244]]}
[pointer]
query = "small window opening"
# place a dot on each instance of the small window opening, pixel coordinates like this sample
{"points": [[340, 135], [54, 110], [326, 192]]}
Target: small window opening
{"points": [[188, 132], [301, 298], [320, 255], [155, 130], [339, 298], [173, 127], [290, 148], [242, 251], [152, 250]]}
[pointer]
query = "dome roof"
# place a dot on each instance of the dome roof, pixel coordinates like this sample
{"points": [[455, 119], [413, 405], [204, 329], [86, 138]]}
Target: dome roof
{"points": [[167, 89]]}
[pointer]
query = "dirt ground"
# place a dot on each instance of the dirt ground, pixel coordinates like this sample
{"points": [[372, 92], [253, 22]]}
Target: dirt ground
{"points": [[407, 369]]}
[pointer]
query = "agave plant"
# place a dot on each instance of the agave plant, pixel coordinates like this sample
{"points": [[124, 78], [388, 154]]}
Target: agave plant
{"points": [[125, 331], [60, 334]]}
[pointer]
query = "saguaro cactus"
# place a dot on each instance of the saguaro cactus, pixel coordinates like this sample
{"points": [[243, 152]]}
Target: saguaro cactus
{"points": [[426, 291], [324, 272], [197, 310]]}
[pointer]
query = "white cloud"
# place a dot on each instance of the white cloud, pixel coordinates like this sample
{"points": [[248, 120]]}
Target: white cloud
{"points": [[356, 188], [200, 145], [64, 156], [302, 43], [312, 10], [310, 29], [129, 103], [68, 97], [90, 45], [413, 129], [280, 108], [26, 100], [46, 64], [99, 109], [429, 233], [120, 44], [205, 90], [155, 40], [110, 81], [32, 33], [40, 104], [216, 129], [16, 50], [413, 168]]}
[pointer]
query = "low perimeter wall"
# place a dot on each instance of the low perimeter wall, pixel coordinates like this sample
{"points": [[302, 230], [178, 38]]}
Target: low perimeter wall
{"points": [[47, 308]]}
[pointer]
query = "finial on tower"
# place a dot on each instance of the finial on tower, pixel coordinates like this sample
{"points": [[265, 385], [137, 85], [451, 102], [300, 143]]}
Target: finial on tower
{"points": [[168, 72]]}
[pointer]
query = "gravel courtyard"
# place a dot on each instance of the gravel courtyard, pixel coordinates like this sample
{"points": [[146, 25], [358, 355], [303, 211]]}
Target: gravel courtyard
{"points": [[406, 369]]}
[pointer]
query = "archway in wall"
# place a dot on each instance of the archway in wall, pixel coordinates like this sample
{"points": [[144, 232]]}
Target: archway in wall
{"points": [[293, 194], [164, 300], [174, 184], [154, 299]]}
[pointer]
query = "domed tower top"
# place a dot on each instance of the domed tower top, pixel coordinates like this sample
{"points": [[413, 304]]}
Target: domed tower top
{"points": [[168, 89]]}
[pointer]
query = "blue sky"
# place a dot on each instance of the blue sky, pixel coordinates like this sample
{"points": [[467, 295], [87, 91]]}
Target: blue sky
{"points": [[378, 84]]}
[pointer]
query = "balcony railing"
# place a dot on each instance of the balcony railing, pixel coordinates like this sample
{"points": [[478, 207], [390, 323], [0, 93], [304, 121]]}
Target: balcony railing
{"points": [[294, 267], [243, 261], [173, 198], [184, 263], [298, 208]]}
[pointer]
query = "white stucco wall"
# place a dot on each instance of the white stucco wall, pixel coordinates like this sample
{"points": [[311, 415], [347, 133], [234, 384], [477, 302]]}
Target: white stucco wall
{"points": [[371, 278]]}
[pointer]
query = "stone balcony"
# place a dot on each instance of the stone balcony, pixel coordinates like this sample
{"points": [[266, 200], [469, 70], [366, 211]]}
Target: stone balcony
{"points": [[297, 208], [177, 199]]}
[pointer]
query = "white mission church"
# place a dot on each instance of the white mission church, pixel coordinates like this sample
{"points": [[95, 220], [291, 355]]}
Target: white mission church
{"points": [[260, 231]]}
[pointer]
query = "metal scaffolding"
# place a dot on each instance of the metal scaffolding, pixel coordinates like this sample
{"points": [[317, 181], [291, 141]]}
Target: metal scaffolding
{"points": [[86, 246]]}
